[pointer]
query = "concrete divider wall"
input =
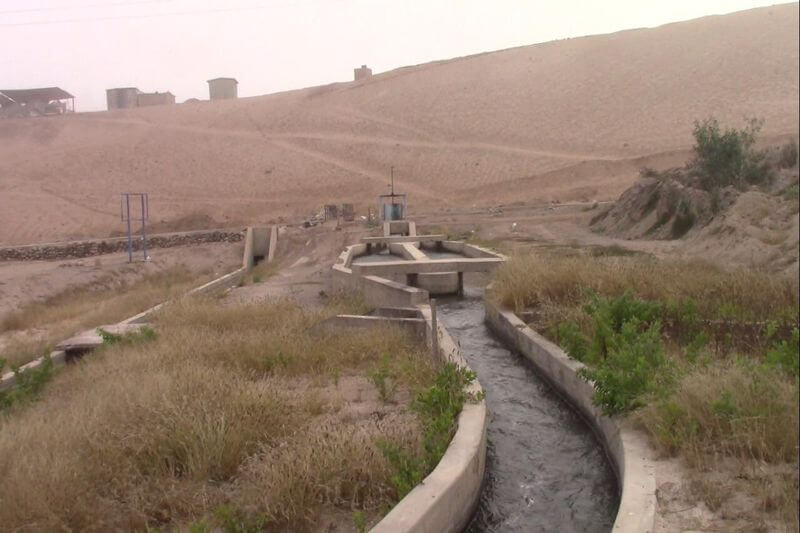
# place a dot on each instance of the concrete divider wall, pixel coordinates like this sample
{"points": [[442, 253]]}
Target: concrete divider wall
{"points": [[377, 291], [259, 242], [446, 499], [627, 449]]}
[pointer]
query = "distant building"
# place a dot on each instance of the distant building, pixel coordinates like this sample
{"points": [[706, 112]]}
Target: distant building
{"points": [[35, 102], [361, 73], [122, 98], [156, 98], [130, 97], [223, 88]]}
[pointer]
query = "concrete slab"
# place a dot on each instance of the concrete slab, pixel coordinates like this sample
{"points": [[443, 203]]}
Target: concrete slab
{"points": [[91, 339], [429, 266], [403, 238]]}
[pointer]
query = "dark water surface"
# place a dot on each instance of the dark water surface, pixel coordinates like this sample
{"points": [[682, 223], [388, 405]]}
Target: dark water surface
{"points": [[546, 470]]}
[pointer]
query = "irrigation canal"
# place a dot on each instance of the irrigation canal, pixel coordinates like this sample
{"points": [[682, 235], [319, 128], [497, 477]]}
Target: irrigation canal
{"points": [[546, 471]]}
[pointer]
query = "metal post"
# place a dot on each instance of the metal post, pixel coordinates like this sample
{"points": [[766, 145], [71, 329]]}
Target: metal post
{"points": [[461, 284], [434, 329], [130, 237], [144, 225]]}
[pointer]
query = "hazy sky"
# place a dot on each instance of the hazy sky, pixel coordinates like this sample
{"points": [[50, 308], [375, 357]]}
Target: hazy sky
{"points": [[86, 46]]}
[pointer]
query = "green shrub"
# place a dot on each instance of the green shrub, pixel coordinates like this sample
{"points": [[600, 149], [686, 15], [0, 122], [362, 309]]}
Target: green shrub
{"points": [[609, 315], [28, 383], [623, 352], [785, 355], [143, 334], [437, 408], [634, 366], [724, 158]]}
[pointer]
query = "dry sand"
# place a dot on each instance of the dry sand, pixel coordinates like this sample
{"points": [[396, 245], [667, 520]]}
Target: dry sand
{"points": [[570, 119]]}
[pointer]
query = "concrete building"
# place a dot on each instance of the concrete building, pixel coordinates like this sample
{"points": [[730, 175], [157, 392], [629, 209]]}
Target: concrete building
{"points": [[122, 98], [156, 98], [223, 88], [361, 73]]}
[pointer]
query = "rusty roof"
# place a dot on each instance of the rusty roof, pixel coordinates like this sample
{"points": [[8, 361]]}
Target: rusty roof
{"points": [[25, 96]]}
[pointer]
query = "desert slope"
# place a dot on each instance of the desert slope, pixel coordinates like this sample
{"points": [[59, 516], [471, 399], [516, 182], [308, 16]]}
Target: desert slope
{"points": [[570, 119]]}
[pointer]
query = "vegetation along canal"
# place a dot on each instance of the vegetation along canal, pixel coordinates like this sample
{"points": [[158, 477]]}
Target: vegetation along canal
{"points": [[546, 471]]}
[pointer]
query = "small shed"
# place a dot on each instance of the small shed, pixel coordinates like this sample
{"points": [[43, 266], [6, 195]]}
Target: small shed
{"points": [[122, 98], [156, 98], [35, 102], [223, 88], [361, 73]]}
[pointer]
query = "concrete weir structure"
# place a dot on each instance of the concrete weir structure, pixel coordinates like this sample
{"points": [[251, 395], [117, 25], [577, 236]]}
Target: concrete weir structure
{"points": [[446, 499], [412, 270]]}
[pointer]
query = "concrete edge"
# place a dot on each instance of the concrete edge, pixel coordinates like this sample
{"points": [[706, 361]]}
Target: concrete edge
{"points": [[627, 449], [377, 291], [273, 243], [9, 379], [447, 498]]}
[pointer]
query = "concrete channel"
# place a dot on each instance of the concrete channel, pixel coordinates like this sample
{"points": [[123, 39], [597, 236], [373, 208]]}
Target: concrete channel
{"points": [[553, 462], [546, 470]]}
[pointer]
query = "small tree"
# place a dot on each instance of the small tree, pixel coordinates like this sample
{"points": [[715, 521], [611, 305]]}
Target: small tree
{"points": [[727, 157]]}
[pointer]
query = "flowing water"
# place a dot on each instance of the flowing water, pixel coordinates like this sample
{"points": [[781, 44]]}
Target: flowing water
{"points": [[546, 471]]}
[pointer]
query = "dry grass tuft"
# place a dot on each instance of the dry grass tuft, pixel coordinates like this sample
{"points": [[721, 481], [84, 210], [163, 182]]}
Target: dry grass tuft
{"points": [[728, 409], [532, 281], [229, 418]]}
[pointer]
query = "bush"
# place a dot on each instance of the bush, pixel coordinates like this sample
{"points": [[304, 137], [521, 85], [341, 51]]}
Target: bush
{"points": [[624, 352], [728, 158], [785, 355]]}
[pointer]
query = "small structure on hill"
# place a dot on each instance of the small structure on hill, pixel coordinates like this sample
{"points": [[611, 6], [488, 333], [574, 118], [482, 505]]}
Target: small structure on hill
{"points": [[223, 88], [361, 73], [35, 102], [130, 97], [156, 98], [122, 98]]}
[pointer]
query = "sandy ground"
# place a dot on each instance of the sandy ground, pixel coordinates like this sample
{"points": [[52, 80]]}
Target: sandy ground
{"points": [[568, 120]]}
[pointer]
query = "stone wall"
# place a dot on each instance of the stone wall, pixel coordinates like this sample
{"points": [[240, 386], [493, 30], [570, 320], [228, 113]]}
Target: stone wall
{"points": [[89, 248]]}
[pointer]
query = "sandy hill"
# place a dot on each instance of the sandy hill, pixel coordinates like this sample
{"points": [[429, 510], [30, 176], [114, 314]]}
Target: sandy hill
{"points": [[570, 119]]}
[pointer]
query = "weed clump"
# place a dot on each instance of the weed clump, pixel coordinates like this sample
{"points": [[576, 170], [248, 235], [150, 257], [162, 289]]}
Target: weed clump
{"points": [[437, 409], [27, 385]]}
